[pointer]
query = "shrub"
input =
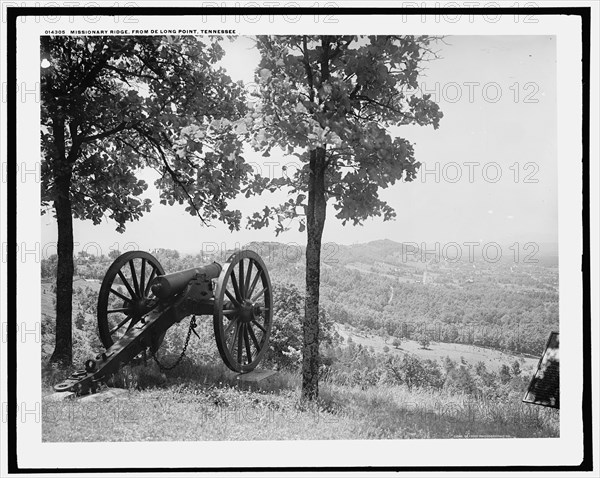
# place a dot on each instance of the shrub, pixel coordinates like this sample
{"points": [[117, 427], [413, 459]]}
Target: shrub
{"points": [[285, 344], [460, 380], [516, 368], [504, 373]]}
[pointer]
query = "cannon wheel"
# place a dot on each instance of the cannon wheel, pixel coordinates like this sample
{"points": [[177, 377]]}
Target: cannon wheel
{"points": [[243, 311], [125, 295]]}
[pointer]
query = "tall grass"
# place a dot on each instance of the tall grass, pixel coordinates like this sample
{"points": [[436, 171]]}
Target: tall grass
{"points": [[208, 402], [395, 411]]}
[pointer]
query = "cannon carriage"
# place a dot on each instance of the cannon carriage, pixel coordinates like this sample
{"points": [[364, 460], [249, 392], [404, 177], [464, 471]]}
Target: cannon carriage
{"points": [[138, 303]]}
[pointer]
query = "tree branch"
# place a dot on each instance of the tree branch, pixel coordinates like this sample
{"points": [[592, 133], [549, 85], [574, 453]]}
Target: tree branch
{"points": [[171, 172], [125, 73], [93, 73], [105, 134], [307, 68], [382, 105]]}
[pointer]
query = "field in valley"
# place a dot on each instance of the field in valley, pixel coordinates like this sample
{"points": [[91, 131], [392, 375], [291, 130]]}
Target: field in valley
{"points": [[472, 354]]}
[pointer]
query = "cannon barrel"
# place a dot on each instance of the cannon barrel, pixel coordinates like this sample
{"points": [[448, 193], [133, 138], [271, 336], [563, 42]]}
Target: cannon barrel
{"points": [[168, 285]]}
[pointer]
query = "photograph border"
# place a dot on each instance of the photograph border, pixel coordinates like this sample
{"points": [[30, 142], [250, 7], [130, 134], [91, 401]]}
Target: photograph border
{"points": [[13, 14]]}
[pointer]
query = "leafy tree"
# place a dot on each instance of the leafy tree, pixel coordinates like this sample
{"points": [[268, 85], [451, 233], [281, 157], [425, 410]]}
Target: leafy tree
{"points": [[330, 100], [448, 364], [410, 370], [386, 349], [396, 342], [504, 373], [423, 340], [461, 380], [485, 382], [112, 105], [432, 374]]}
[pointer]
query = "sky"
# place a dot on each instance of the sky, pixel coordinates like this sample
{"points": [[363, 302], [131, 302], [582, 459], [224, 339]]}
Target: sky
{"points": [[488, 174]]}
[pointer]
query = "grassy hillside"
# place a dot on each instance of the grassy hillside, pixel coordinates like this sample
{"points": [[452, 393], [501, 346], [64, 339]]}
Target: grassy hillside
{"points": [[208, 403]]}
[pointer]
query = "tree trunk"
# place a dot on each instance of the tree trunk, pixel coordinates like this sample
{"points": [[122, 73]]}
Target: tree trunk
{"points": [[315, 220], [63, 350], [63, 171]]}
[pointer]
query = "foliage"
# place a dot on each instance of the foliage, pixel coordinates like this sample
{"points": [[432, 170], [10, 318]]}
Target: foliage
{"points": [[459, 379], [285, 344], [369, 85], [112, 255], [412, 372], [48, 266], [112, 105]]}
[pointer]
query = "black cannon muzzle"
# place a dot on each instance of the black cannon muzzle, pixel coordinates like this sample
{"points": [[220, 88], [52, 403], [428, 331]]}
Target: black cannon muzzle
{"points": [[170, 285]]}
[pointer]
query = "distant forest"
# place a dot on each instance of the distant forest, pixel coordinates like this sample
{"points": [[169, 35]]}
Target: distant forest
{"points": [[378, 287]]}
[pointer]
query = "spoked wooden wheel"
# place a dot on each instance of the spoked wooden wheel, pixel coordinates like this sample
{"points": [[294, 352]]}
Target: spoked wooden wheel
{"points": [[125, 295], [243, 311]]}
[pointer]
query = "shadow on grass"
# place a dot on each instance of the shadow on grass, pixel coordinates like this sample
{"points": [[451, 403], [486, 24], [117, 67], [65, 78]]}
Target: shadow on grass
{"points": [[217, 374], [140, 376]]}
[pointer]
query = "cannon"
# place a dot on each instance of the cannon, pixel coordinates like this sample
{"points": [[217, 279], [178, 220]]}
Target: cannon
{"points": [[138, 303]]}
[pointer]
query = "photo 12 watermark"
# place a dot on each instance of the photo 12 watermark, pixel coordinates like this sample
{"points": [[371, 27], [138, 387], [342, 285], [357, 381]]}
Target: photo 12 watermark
{"points": [[62, 16], [489, 92], [470, 251], [490, 172]]}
